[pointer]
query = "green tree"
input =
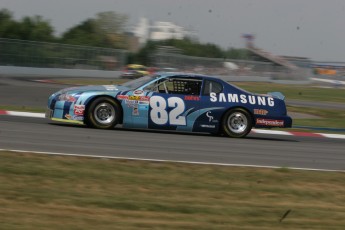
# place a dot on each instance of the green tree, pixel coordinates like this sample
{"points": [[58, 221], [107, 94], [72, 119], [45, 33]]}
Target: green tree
{"points": [[29, 28], [8, 26], [83, 34], [187, 46], [144, 55], [194, 48], [106, 30], [35, 29]]}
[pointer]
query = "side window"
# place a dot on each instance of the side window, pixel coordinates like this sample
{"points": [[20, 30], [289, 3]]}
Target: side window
{"points": [[186, 86], [161, 86], [212, 87], [152, 86]]}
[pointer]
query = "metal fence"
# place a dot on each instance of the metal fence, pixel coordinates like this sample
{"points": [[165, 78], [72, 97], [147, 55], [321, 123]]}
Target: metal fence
{"points": [[54, 55], [217, 66]]}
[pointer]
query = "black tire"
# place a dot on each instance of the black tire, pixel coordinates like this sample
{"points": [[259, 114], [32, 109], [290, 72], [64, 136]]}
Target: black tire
{"points": [[237, 123], [103, 113]]}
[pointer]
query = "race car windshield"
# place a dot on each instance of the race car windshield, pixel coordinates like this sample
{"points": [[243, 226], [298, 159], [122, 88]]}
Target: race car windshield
{"points": [[138, 82]]}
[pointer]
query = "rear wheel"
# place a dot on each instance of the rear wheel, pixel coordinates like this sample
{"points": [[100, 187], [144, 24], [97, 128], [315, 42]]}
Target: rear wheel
{"points": [[103, 113], [237, 123]]}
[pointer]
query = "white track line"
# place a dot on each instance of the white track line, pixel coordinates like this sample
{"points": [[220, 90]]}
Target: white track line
{"points": [[169, 161], [276, 132], [329, 81], [25, 114], [338, 136]]}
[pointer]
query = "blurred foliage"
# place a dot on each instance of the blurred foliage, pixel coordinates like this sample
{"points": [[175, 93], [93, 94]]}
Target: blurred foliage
{"points": [[28, 28], [96, 39], [188, 47], [143, 56], [194, 48], [107, 30]]}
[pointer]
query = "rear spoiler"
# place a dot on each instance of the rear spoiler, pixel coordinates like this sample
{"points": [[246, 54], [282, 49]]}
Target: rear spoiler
{"points": [[278, 95]]}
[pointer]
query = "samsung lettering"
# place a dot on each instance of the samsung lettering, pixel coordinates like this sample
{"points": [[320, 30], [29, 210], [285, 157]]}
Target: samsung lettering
{"points": [[243, 98]]}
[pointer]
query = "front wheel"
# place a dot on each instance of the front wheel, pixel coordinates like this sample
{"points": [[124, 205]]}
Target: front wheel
{"points": [[237, 123], [103, 113]]}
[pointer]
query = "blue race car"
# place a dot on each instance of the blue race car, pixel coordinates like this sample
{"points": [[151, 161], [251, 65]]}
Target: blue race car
{"points": [[171, 101]]}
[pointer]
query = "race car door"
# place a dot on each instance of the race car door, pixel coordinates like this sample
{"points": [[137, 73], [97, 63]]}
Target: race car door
{"points": [[173, 104]]}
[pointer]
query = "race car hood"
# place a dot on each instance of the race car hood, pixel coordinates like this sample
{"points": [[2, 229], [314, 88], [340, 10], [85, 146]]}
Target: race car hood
{"points": [[92, 88]]}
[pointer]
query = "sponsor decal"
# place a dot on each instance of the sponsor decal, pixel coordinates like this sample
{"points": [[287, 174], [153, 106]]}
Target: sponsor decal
{"points": [[134, 98], [131, 103], [67, 97], [138, 92], [79, 110], [68, 117], [138, 98], [260, 111], [144, 102], [208, 115], [78, 118], [270, 122], [144, 98], [191, 98], [208, 126], [242, 98], [135, 111], [122, 97]]}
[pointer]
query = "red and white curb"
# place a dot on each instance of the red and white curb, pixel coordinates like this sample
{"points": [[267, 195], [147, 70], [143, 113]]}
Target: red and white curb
{"points": [[300, 134], [259, 131]]}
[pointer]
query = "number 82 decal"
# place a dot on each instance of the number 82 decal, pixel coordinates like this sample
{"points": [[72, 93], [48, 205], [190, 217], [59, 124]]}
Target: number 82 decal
{"points": [[159, 114]]}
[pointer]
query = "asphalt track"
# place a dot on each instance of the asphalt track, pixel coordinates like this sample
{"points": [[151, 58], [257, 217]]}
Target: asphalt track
{"points": [[35, 134]]}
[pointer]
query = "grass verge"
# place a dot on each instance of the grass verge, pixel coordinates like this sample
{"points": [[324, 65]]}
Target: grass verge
{"points": [[296, 92], [57, 192], [328, 118]]}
